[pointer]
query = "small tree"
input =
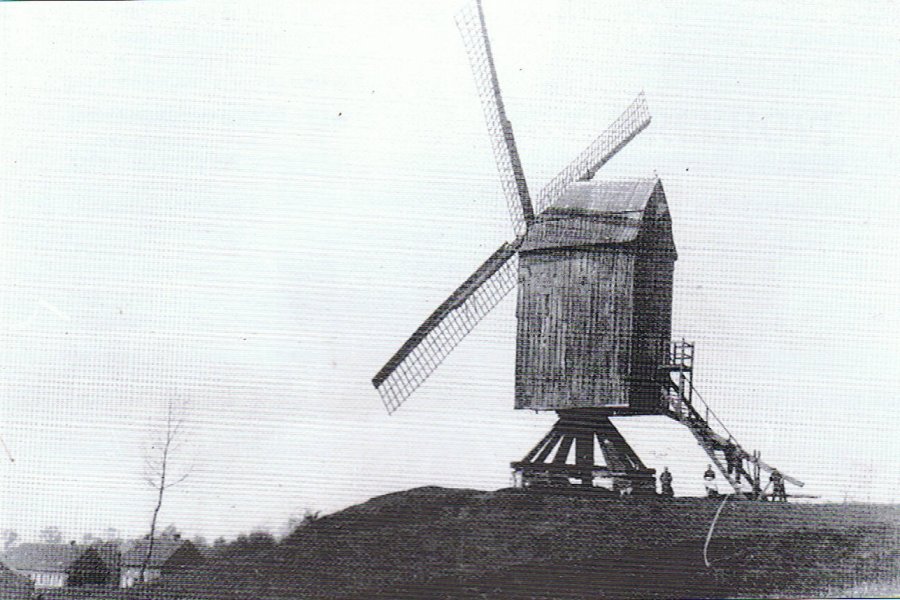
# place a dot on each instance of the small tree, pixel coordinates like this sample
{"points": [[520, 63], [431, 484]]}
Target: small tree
{"points": [[170, 533], [160, 473], [9, 538], [51, 535], [250, 543], [297, 521]]}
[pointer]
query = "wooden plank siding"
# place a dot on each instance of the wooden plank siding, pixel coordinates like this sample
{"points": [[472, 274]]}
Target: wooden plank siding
{"points": [[595, 320], [654, 279], [652, 330], [574, 314]]}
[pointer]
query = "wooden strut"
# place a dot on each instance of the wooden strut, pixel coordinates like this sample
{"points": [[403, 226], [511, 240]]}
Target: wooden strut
{"points": [[548, 462]]}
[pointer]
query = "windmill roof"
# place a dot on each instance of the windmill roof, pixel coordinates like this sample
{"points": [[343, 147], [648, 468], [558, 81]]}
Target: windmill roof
{"points": [[605, 196], [42, 557], [604, 212]]}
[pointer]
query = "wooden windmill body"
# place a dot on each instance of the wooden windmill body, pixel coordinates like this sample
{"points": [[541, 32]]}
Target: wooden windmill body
{"points": [[594, 322], [595, 299], [593, 261]]}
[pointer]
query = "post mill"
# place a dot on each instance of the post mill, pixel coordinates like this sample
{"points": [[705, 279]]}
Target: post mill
{"points": [[593, 261]]}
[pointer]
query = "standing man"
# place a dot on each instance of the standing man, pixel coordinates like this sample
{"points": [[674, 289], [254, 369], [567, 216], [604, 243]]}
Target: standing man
{"points": [[665, 483], [732, 459], [709, 480], [778, 492]]}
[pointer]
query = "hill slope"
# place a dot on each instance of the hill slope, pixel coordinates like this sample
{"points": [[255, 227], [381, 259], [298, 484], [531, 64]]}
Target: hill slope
{"points": [[442, 543]]}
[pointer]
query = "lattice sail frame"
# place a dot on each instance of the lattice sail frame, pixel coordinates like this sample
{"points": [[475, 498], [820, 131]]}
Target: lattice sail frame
{"points": [[455, 318], [634, 120], [427, 348], [473, 30]]}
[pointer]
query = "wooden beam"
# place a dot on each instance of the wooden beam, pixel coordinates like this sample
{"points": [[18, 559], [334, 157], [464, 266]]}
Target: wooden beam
{"points": [[534, 451], [548, 448], [563, 453], [602, 471], [584, 448]]}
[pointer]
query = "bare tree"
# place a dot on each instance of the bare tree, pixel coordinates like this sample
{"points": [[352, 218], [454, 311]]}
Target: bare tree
{"points": [[159, 462]]}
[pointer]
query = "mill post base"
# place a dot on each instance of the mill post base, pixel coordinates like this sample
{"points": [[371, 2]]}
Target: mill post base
{"points": [[547, 464]]}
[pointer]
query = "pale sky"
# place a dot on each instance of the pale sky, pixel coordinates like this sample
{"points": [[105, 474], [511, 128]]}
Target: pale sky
{"points": [[251, 206]]}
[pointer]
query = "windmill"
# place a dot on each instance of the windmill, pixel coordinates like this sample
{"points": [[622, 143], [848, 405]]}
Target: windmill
{"points": [[593, 262]]}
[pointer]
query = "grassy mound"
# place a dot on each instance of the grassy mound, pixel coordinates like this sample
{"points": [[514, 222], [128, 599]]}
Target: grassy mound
{"points": [[441, 543]]}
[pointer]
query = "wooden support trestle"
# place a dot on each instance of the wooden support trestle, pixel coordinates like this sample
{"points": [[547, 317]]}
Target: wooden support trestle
{"points": [[548, 464]]}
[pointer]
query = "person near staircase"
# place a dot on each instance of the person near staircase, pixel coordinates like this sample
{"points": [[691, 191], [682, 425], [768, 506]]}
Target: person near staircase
{"points": [[732, 459], [757, 493], [778, 492], [665, 483], [709, 481]]}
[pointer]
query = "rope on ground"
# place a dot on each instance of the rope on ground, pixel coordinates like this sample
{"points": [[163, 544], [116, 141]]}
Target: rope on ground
{"points": [[712, 526]]}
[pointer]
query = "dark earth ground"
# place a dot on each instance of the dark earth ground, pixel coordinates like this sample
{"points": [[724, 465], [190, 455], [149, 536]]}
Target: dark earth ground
{"points": [[466, 544]]}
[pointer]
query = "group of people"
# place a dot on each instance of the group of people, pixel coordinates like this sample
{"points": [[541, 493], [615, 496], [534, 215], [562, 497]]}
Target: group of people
{"points": [[776, 480]]}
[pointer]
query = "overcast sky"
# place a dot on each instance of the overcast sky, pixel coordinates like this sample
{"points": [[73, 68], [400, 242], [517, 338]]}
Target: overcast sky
{"points": [[250, 207]]}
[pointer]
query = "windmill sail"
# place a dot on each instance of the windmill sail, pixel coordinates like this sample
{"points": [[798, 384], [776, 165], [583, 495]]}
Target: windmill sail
{"points": [[424, 351], [470, 21], [634, 120]]}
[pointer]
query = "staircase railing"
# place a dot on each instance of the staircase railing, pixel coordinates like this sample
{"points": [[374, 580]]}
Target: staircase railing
{"points": [[688, 406]]}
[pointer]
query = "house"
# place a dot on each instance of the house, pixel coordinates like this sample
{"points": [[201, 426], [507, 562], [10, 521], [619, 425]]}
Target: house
{"points": [[57, 565], [169, 555], [14, 586], [111, 555]]}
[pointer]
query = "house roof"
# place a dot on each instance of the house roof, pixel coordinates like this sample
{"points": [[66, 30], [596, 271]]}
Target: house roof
{"points": [[56, 558], [109, 552], [163, 549]]}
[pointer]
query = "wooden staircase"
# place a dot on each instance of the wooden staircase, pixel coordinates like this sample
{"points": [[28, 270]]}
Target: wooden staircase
{"points": [[685, 405]]}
